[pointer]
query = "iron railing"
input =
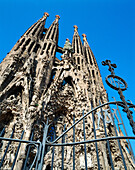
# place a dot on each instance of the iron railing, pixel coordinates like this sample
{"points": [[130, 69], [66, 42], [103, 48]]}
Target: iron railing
{"points": [[41, 146]]}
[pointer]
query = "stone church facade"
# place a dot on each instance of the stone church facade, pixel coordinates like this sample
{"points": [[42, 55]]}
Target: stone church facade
{"points": [[42, 96]]}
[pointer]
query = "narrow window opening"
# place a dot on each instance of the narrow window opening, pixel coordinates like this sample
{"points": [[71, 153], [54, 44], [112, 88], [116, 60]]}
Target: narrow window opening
{"points": [[90, 57], [93, 74], [52, 37], [78, 67], [44, 46], [82, 61], [89, 73], [36, 48], [20, 44], [85, 55], [36, 29], [26, 43], [30, 47], [78, 60], [49, 33], [52, 50], [53, 74], [74, 59], [56, 36], [22, 41], [77, 46], [51, 133]]}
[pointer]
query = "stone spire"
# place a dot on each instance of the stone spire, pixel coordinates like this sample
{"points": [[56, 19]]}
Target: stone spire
{"points": [[76, 42], [88, 52], [77, 47], [52, 32], [93, 69], [36, 28], [46, 57], [24, 47], [85, 40]]}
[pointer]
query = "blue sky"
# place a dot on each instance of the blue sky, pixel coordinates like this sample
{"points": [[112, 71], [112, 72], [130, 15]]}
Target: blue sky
{"points": [[108, 24]]}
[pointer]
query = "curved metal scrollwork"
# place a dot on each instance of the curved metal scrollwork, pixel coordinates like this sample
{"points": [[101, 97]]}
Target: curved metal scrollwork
{"points": [[116, 82]]}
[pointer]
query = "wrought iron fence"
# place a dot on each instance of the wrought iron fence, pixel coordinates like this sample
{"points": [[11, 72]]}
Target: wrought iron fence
{"points": [[50, 139]]}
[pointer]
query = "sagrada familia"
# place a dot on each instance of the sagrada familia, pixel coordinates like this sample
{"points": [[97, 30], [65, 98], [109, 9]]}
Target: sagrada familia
{"points": [[45, 106]]}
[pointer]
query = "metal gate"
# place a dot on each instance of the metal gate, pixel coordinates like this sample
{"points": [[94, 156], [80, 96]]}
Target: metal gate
{"points": [[49, 132]]}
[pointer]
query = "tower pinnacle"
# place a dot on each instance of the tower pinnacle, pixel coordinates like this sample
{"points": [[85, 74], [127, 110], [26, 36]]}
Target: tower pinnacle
{"points": [[84, 37], [85, 40], [76, 28], [46, 15], [57, 18]]}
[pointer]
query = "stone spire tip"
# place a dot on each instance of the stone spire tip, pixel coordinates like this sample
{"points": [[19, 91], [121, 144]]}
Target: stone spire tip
{"points": [[67, 39], [46, 15], [76, 28], [84, 37], [57, 17]]}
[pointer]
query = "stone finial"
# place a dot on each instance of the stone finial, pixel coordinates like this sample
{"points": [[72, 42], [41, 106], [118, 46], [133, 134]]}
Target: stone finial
{"points": [[67, 39], [76, 28], [57, 17], [46, 15], [84, 37]]}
